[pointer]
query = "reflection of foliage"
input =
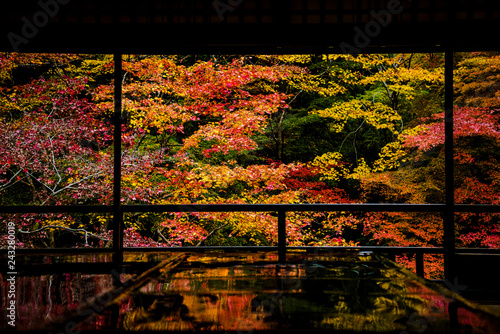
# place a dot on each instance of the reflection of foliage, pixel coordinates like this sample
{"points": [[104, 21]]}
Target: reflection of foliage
{"points": [[207, 291], [151, 310], [251, 129], [346, 293], [47, 298]]}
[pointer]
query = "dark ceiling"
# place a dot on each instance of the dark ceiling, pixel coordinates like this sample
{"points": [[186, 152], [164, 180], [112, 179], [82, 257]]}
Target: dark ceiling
{"points": [[248, 26]]}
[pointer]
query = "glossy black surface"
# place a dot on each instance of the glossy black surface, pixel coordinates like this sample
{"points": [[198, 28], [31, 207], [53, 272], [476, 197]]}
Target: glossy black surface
{"points": [[246, 292]]}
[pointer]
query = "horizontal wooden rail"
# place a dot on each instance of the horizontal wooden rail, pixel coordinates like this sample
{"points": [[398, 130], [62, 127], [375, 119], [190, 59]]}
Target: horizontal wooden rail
{"points": [[353, 207], [280, 209], [360, 207]]}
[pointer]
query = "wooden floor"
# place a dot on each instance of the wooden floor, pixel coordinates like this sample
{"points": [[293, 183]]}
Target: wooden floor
{"points": [[241, 292]]}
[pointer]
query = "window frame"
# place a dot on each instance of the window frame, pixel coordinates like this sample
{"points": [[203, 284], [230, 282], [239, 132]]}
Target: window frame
{"points": [[117, 209]]}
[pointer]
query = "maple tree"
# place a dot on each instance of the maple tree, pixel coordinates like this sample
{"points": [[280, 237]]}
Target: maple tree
{"points": [[51, 140], [476, 137], [223, 105], [374, 101], [247, 129], [161, 164], [476, 79], [419, 177]]}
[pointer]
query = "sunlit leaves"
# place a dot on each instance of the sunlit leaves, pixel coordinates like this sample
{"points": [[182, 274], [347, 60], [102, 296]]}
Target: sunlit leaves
{"points": [[330, 166], [390, 157], [468, 122], [201, 129], [477, 78], [376, 114]]}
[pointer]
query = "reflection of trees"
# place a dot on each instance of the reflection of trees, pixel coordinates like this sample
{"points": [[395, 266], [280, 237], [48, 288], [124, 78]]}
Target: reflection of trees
{"points": [[353, 296], [329, 293], [188, 311], [45, 298], [343, 296], [158, 312]]}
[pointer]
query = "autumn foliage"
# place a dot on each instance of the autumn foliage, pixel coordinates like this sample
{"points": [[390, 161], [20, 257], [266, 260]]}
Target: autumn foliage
{"points": [[248, 129]]}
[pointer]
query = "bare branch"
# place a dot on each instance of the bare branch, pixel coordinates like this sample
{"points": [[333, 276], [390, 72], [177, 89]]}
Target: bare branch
{"points": [[215, 230], [75, 230], [162, 236], [10, 183]]}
